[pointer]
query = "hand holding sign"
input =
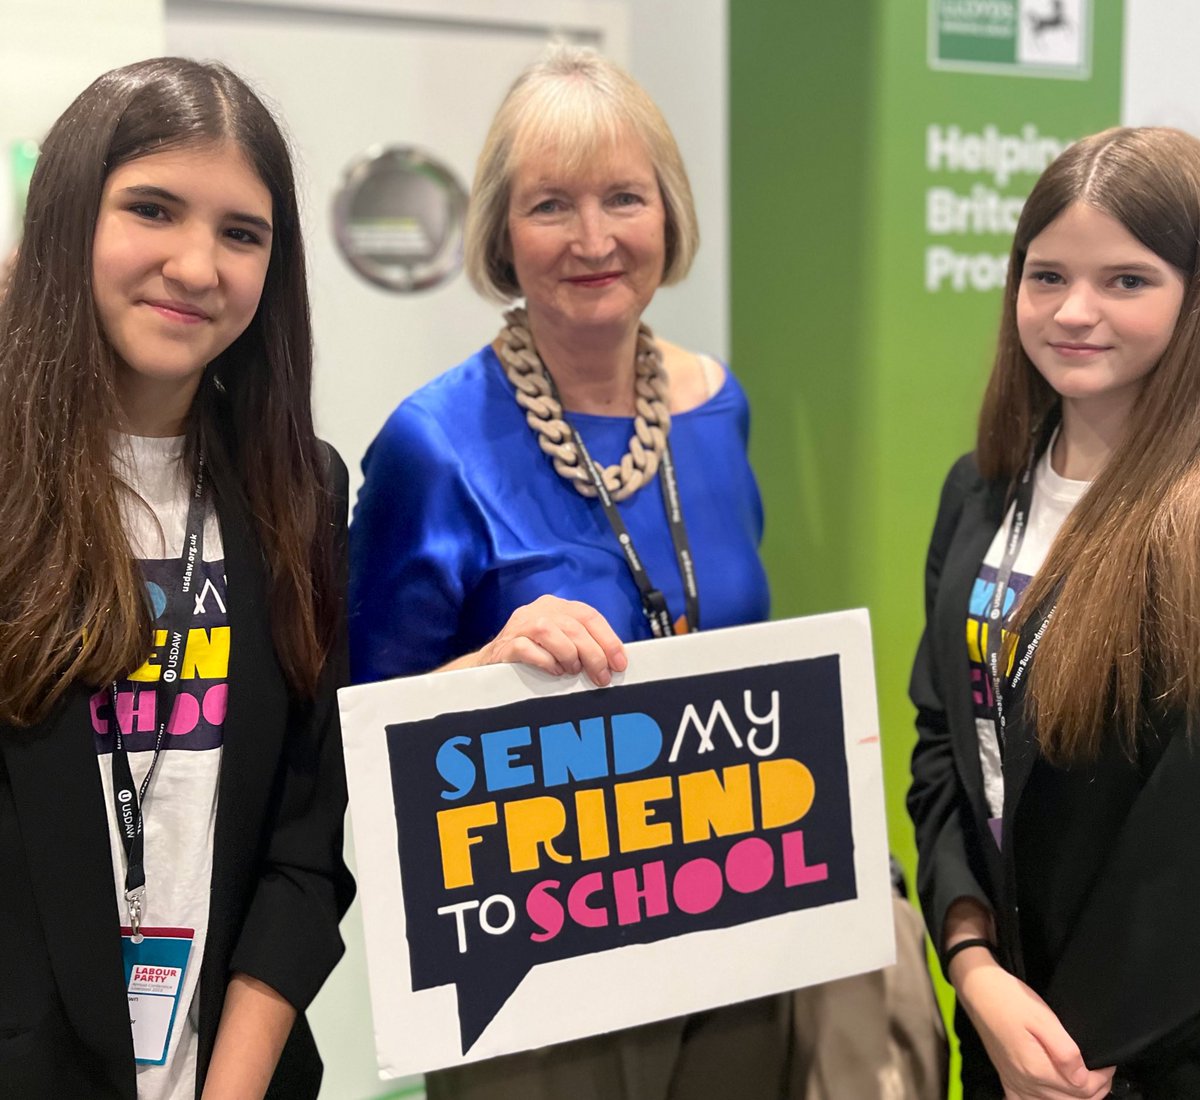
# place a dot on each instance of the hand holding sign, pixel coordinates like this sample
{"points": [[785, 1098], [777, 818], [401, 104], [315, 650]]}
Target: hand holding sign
{"points": [[560, 637]]}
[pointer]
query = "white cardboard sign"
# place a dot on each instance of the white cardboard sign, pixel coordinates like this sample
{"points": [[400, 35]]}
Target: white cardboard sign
{"points": [[541, 860]]}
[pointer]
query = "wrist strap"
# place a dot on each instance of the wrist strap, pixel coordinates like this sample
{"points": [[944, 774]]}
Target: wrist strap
{"points": [[962, 945]]}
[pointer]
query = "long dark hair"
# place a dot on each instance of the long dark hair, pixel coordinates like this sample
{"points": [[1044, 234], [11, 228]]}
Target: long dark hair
{"points": [[1124, 642], [72, 601]]}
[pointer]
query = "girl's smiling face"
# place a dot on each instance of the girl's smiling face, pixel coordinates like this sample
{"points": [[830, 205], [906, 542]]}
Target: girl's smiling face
{"points": [[179, 259], [1096, 308]]}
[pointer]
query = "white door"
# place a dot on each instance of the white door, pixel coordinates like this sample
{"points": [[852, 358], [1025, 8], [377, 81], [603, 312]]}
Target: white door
{"points": [[343, 76]]}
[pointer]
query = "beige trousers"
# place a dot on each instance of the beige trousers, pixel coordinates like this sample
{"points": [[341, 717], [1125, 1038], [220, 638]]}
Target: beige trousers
{"points": [[876, 1035]]}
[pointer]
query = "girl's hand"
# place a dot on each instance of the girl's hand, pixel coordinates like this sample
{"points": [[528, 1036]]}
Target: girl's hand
{"points": [[560, 637], [1031, 1050]]}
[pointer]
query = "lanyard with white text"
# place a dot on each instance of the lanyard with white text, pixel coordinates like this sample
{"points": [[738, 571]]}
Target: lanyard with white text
{"points": [[128, 800], [995, 612], [654, 603]]}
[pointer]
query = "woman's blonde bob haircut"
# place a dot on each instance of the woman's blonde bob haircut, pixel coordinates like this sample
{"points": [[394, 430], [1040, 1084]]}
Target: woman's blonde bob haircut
{"points": [[580, 105]]}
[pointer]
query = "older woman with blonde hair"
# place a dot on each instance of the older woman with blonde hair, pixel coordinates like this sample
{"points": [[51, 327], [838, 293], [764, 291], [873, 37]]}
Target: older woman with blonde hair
{"points": [[480, 535], [575, 484]]}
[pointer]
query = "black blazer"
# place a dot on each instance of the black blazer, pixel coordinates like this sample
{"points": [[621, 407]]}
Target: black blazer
{"points": [[279, 884], [1129, 974]]}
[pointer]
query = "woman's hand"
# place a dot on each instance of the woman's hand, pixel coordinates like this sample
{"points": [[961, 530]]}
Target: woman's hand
{"points": [[1031, 1050], [558, 636]]}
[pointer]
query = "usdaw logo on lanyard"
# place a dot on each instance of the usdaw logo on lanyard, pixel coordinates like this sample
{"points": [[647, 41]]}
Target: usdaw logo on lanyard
{"points": [[155, 959]]}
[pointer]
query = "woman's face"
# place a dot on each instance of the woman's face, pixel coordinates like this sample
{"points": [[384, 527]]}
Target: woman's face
{"points": [[182, 245], [1095, 307], [588, 247]]}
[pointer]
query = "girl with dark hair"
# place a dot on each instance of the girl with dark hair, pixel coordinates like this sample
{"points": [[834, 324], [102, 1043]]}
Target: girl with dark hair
{"points": [[1056, 774], [172, 532]]}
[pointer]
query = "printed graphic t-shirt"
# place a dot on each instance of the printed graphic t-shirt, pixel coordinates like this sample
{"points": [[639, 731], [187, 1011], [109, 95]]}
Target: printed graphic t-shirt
{"points": [[181, 805], [1053, 498]]}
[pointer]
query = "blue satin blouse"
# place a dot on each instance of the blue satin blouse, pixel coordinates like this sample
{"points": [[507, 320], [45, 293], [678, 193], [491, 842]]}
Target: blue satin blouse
{"points": [[462, 519]]}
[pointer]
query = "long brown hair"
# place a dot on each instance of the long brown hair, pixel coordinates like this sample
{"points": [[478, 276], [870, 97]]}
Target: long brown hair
{"points": [[72, 600], [1123, 646]]}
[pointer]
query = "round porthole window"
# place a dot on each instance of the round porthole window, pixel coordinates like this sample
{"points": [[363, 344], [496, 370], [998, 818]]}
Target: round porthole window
{"points": [[398, 219]]}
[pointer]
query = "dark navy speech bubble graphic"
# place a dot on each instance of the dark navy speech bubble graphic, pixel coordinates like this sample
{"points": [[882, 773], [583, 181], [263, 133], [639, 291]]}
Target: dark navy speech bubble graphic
{"points": [[585, 751]]}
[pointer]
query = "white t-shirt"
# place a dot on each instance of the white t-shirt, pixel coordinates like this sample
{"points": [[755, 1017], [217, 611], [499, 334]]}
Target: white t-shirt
{"points": [[1053, 499], [181, 805]]}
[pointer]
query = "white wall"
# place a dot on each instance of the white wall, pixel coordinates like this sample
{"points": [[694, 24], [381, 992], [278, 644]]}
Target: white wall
{"points": [[50, 50], [678, 51], [1162, 76]]}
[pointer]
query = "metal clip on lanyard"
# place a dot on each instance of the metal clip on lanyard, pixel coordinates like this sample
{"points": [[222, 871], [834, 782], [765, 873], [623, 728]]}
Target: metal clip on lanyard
{"points": [[128, 801], [654, 603]]}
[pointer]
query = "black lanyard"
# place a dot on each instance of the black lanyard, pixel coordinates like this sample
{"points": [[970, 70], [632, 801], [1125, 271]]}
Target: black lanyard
{"points": [[1032, 648], [995, 612], [654, 603], [128, 801]]}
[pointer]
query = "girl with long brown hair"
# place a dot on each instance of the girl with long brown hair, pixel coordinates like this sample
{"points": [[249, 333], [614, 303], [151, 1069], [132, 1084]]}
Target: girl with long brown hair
{"points": [[1056, 773], [171, 547]]}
